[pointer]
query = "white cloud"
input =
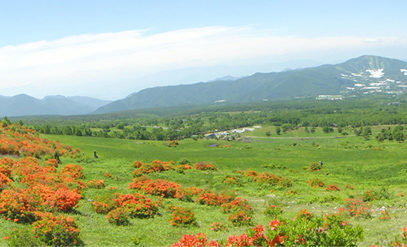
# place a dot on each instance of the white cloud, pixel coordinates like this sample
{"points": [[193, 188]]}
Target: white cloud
{"points": [[109, 58]]}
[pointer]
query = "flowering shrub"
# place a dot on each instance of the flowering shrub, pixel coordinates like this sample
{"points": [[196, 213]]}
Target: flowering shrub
{"points": [[273, 211], [332, 187], [314, 167], [241, 218], [228, 179], [74, 170], [355, 208], [52, 162], [56, 230], [200, 240], [138, 205], [217, 226], [108, 175], [159, 187], [205, 166], [104, 204], [316, 183], [118, 216], [369, 195], [184, 167], [236, 205], [96, 184], [213, 199], [182, 217], [268, 178], [313, 232], [303, 214], [154, 166]]}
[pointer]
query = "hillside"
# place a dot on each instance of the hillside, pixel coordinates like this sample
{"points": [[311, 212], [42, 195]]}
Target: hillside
{"points": [[25, 105], [362, 75]]}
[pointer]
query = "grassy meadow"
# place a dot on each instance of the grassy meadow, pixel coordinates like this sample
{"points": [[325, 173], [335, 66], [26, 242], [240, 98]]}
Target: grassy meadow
{"points": [[350, 162]]}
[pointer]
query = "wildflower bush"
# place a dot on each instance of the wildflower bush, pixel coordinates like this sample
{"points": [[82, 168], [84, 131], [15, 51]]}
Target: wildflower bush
{"points": [[268, 178], [182, 217], [240, 218], [56, 230], [318, 231], [213, 199], [192, 240], [316, 183], [158, 187], [332, 187], [205, 166], [154, 166], [118, 216], [314, 167], [96, 184], [355, 207]]}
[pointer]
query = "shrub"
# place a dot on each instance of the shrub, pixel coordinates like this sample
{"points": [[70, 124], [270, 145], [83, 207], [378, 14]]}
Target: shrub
{"points": [[314, 167], [213, 199], [96, 184], [159, 187], [56, 230], [74, 170], [118, 216], [23, 237], [332, 187], [182, 217], [205, 166], [316, 183], [236, 205], [200, 240], [241, 218], [355, 208]]}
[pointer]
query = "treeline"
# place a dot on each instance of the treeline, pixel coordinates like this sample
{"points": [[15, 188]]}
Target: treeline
{"points": [[173, 123]]}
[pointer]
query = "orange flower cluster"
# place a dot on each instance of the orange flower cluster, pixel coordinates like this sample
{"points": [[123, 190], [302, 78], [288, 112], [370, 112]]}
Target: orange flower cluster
{"points": [[137, 205], [182, 217], [355, 208], [213, 199], [41, 188], [56, 230], [200, 240], [332, 187], [269, 178], [258, 238], [154, 166], [96, 184], [159, 187], [19, 140], [205, 166], [316, 183]]}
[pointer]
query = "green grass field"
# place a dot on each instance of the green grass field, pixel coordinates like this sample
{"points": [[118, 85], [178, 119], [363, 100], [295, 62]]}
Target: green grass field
{"points": [[347, 160]]}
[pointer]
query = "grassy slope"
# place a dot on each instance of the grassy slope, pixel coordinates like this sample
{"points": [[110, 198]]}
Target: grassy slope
{"points": [[348, 160]]}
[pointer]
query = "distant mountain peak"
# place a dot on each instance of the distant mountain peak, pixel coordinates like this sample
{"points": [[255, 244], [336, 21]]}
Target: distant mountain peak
{"points": [[362, 75]]}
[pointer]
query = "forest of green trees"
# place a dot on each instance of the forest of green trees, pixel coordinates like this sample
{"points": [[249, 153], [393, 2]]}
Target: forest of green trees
{"points": [[178, 123]]}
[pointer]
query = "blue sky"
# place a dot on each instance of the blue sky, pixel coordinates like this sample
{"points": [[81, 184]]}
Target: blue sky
{"points": [[109, 49]]}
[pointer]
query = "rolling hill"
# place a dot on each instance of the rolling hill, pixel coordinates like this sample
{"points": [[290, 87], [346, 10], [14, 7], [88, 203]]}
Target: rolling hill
{"points": [[362, 75], [25, 105]]}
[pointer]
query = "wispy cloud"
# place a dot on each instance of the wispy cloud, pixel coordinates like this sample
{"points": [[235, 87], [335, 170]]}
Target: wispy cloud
{"points": [[112, 57]]}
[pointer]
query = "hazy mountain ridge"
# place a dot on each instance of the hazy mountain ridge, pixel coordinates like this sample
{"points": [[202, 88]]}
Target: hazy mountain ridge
{"points": [[352, 76], [25, 105]]}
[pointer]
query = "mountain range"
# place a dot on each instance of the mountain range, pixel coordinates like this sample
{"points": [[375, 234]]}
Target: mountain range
{"points": [[362, 75], [25, 105], [357, 76]]}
